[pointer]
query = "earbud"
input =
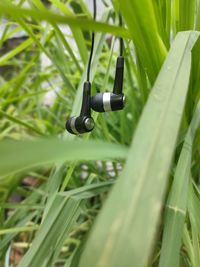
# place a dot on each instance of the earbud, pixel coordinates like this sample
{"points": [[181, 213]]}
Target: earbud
{"points": [[103, 102], [83, 123]]}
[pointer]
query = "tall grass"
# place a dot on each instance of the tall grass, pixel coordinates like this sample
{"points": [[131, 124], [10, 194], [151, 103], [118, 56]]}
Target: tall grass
{"points": [[126, 194]]}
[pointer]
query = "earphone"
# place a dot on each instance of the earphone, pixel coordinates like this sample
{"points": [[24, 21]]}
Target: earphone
{"points": [[101, 102], [84, 122]]}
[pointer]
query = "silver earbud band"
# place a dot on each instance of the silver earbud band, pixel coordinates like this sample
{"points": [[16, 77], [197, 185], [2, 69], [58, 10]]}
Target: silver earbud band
{"points": [[107, 102], [73, 127]]}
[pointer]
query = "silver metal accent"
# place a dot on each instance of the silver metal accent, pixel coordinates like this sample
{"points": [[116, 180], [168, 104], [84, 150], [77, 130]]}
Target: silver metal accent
{"points": [[89, 123], [73, 120], [107, 102], [124, 100]]}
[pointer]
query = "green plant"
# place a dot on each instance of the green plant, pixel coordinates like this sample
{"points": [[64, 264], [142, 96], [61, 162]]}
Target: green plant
{"points": [[150, 217]]}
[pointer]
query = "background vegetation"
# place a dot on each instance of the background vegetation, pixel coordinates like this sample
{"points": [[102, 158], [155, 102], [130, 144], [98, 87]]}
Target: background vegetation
{"points": [[52, 184]]}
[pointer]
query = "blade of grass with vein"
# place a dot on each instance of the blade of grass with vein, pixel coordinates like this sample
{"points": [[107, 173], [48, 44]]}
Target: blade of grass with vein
{"points": [[165, 16], [17, 82], [40, 6], [194, 93], [175, 17], [137, 196], [28, 29], [21, 122], [197, 25], [186, 14], [188, 245], [61, 216], [19, 218], [16, 51], [194, 205], [177, 201], [86, 24], [168, 19], [160, 15], [144, 32], [36, 153], [191, 240], [77, 33]]}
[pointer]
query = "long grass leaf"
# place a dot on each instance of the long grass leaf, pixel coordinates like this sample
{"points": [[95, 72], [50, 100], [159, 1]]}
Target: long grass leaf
{"points": [[40, 152], [144, 31], [62, 215], [177, 201], [86, 24], [130, 217]]}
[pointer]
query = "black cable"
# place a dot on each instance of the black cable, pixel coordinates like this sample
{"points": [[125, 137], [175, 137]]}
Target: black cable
{"points": [[121, 44], [92, 42]]}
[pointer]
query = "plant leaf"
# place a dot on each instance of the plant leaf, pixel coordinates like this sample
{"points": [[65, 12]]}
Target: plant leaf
{"points": [[129, 219], [21, 155]]}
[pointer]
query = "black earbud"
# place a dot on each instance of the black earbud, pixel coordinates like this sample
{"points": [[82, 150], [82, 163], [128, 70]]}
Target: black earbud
{"points": [[103, 102], [83, 123]]}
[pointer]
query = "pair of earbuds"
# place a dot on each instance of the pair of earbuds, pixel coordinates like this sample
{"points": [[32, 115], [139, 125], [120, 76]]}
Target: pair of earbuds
{"points": [[101, 102]]}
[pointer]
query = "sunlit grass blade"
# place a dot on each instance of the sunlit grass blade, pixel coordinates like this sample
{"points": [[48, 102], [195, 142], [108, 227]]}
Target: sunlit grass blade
{"points": [[137, 196], [86, 24], [177, 202], [77, 33], [187, 14], [20, 122], [59, 220], [54, 60], [40, 152], [19, 218], [197, 25], [145, 34], [82, 47], [191, 235], [16, 51]]}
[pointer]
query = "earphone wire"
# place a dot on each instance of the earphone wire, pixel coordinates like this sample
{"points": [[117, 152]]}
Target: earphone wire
{"points": [[121, 43], [92, 42]]}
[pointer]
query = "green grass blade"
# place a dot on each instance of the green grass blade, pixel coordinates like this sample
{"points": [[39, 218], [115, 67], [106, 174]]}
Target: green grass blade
{"points": [[16, 51], [40, 152], [177, 202], [131, 213], [193, 226], [143, 28], [20, 122], [60, 218], [187, 14], [54, 60], [86, 24], [77, 33], [40, 6], [197, 26]]}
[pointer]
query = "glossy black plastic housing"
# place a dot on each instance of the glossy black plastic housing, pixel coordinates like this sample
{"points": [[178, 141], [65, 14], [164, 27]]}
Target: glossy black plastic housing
{"points": [[78, 125], [103, 102], [112, 102], [117, 101], [97, 102], [85, 109], [83, 123], [119, 76]]}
